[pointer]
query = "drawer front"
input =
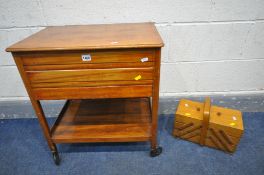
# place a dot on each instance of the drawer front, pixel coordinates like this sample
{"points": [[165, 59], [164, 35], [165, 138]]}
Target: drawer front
{"points": [[139, 56], [134, 74], [109, 74], [92, 92], [90, 77], [90, 84], [88, 66]]}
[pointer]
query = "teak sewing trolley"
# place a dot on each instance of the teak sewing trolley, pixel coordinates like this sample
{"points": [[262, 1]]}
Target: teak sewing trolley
{"points": [[108, 74]]}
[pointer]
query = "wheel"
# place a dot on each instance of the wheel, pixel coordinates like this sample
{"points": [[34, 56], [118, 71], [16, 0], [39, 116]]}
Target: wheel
{"points": [[56, 158], [156, 152]]}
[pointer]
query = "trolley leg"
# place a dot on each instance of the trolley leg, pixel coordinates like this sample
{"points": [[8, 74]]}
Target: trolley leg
{"points": [[45, 127], [37, 107], [155, 149]]}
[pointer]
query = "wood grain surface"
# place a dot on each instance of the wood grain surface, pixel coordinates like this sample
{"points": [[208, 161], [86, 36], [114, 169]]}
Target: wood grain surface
{"points": [[224, 130], [90, 75], [108, 97], [106, 120], [75, 57], [102, 36], [90, 83], [87, 66], [92, 92]]}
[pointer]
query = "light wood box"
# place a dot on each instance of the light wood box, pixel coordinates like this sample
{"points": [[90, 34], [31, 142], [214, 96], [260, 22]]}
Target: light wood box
{"points": [[213, 126]]}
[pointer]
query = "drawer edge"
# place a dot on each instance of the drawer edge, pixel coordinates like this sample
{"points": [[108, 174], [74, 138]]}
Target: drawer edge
{"points": [[92, 92]]}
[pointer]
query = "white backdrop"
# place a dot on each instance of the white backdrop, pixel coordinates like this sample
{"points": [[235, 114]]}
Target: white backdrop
{"points": [[212, 46]]}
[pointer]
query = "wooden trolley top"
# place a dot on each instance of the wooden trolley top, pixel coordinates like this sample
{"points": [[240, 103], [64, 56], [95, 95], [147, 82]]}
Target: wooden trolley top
{"points": [[100, 36]]}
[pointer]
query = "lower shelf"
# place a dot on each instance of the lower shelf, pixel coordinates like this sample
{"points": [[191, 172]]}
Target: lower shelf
{"points": [[103, 120]]}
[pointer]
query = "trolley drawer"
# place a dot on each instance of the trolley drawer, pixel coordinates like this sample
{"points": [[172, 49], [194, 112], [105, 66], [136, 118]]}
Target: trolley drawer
{"points": [[92, 92], [143, 56], [135, 74]]}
